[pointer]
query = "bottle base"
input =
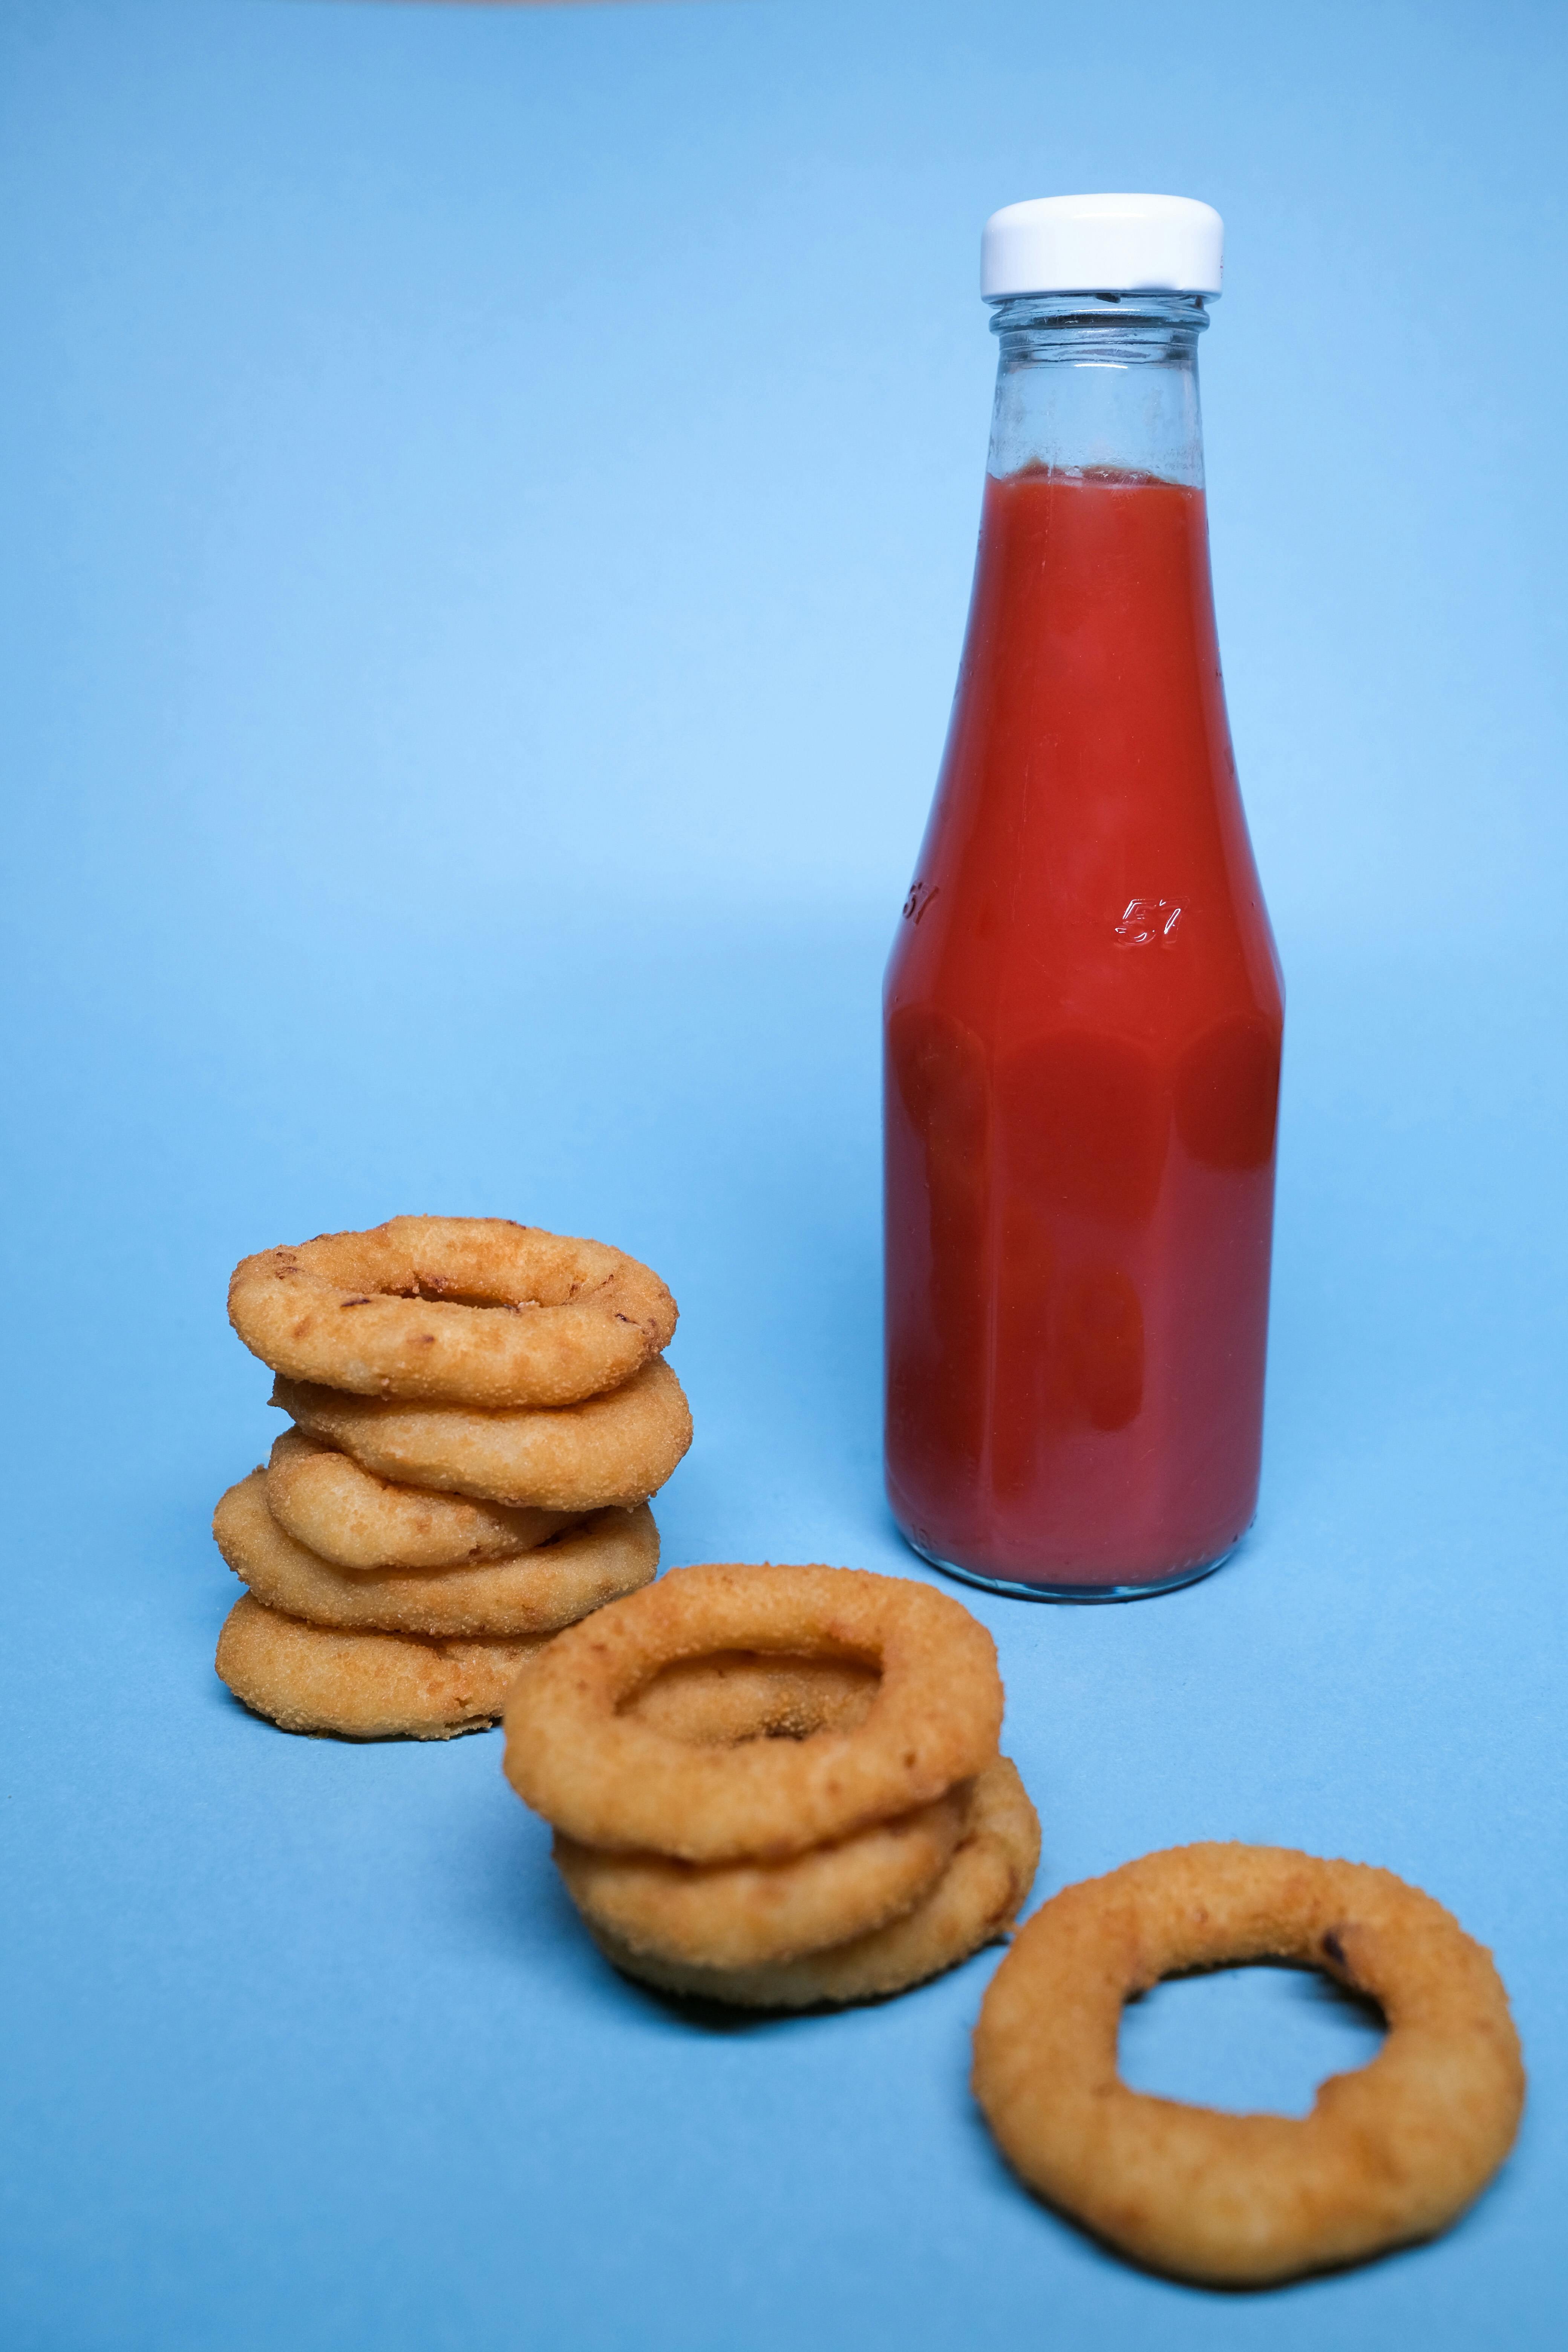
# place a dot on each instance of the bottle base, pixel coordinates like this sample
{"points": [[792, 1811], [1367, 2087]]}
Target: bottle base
{"points": [[1044, 1591]]}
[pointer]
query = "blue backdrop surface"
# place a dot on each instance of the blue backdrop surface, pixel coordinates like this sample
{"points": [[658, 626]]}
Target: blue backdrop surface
{"points": [[491, 496]]}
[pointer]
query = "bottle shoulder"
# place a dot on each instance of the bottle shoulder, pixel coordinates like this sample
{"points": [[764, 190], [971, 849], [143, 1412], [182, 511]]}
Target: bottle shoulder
{"points": [[1151, 965]]}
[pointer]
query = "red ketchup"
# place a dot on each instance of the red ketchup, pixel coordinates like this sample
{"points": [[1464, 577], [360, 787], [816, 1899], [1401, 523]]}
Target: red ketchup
{"points": [[1083, 1007]]}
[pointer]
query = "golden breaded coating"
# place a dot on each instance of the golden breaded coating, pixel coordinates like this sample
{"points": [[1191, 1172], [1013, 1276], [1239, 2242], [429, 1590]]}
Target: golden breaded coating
{"points": [[606, 1555], [1390, 2153], [343, 1513], [365, 1685], [611, 1450], [578, 1755], [458, 1310], [739, 1915], [973, 1903]]}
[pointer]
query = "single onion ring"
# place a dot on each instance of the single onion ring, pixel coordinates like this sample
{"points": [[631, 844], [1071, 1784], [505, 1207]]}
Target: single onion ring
{"points": [[1390, 2153], [593, 1770], [606, 1555], [460, 1310], [343, 1513], [972, 1904], [364, 1685], [617, 1449], [739, 1915]]}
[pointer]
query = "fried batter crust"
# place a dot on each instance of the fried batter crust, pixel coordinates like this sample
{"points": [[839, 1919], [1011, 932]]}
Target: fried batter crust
{"points": [[1390, 2153], [364, 1685], [971, 1903], [579, 1755], [617, 1449], [345, 1514], [742, 1915], [462, 1311], [606, 1555]]}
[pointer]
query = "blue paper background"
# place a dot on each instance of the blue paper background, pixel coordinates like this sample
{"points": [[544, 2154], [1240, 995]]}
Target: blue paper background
{"points": [[490, 496]]}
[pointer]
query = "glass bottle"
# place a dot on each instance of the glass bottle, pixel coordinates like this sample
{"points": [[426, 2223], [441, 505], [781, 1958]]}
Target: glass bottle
{"points": [[1083, 1008]]}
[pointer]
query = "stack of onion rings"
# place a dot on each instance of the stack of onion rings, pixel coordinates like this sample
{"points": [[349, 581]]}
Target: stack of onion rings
{"points": [[972, 1903], [1390, 2154], [777, 1787], [482, 1413]]}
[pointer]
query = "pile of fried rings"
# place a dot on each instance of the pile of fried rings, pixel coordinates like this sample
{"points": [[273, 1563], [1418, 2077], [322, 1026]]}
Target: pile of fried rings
{"points": [[776, 1786], [481, 1411], [781, 1787]]}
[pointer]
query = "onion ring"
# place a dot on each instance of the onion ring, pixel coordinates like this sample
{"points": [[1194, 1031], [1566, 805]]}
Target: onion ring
{"points": [[739, 1915], [1390, 2153], [609, 1554], [459, 1310], [346, 1515], [364, 1685], [971, 1903], [607, 1779], [616, 1449]]}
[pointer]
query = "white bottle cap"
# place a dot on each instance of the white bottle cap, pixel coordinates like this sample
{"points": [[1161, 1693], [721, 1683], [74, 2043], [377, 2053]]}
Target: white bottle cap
{"points": [[1090, 245]]}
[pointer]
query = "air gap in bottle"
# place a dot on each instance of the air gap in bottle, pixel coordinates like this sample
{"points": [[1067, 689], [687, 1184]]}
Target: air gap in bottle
{"points": [[1083, 1006]]}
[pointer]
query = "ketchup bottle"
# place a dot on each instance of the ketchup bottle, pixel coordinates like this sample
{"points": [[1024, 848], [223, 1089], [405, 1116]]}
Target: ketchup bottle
{"points": [[1083, 1006]]}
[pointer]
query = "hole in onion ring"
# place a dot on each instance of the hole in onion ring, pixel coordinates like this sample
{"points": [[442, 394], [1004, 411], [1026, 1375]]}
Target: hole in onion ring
{"points": [[438, 1294], [730, 1698], [548, 1290], [1246, 2041]]}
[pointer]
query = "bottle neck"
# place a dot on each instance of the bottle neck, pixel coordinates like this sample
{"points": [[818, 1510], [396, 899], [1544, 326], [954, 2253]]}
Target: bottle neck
{"points": [[1098, 384]]}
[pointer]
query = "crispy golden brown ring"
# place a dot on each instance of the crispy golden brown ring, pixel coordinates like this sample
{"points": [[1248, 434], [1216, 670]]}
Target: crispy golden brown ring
{"points": [[345, 1514], [606, 1555], [459, 1310], [364, 1685], [1389, 2153], [581, 1757], [738, 1915], [616, 1449], [971, 1903]]}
